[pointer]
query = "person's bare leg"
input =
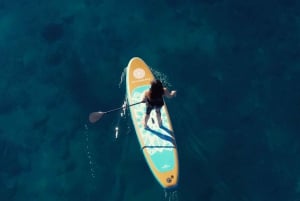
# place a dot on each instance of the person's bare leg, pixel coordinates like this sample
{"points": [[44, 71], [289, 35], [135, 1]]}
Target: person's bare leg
{"points": [[146, 120], [158, 116]]}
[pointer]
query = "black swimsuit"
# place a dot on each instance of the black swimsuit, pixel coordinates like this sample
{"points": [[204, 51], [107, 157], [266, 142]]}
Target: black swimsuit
{"points": [[154, 103]]}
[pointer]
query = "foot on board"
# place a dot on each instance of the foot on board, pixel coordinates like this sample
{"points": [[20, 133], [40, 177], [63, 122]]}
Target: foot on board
{"points": [[145, 125]]}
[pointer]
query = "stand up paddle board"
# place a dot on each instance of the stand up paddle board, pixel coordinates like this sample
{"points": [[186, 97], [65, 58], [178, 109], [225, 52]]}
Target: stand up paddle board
{"points": [[157, 143]]}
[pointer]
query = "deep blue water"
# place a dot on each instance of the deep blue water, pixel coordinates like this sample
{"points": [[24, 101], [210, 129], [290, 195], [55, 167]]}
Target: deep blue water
{"points": [[234, 64]]}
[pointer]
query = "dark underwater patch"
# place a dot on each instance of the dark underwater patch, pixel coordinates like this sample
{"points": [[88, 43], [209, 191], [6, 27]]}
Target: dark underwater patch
{"points": [[52, 32]]}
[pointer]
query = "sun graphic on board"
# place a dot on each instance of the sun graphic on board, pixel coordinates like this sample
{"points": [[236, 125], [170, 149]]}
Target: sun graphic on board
{"points": [[139, 73]]}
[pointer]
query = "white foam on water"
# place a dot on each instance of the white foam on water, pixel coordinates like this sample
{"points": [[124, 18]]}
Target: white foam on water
{"points": [[88, 152], [171, 195], [122, 77], [122, 115], [162, 77]]}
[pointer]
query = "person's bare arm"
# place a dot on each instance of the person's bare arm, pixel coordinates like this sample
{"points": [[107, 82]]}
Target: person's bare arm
{"points": [[169, 94]]}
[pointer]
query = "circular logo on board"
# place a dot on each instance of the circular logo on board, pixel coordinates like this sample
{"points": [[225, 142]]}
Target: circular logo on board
{"points": [[139, 73]]}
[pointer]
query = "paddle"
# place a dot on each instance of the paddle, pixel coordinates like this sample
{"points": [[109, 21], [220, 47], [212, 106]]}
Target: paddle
{"points": [[95, 116]]}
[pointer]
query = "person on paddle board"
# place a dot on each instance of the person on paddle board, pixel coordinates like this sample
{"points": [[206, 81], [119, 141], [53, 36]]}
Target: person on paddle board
{"points": [[154, 100]]}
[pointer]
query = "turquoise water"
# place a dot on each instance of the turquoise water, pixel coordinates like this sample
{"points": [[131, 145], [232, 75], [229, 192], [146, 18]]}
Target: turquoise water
{"points": [[234, 64]]}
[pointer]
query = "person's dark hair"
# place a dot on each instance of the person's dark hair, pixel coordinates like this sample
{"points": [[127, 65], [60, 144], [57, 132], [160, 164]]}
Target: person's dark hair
{"points": [[157, 89]]}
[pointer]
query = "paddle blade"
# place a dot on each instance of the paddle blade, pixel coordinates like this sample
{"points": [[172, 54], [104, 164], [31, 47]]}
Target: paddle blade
{"points": [[95, 116]]}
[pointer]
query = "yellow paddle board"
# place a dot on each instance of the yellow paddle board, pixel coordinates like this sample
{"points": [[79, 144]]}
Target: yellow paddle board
{"points": [[157, 143]]}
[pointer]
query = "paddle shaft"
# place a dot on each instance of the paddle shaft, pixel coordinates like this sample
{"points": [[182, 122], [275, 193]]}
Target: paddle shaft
{"points": [[119, 108]]}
